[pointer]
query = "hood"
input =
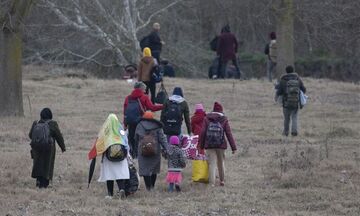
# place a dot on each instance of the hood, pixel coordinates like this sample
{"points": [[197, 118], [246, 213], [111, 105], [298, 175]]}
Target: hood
{"points": [[216, 116], [198, 116], [137, 93], [150, 124], [147, 59], [177, 98], [289, 76]]}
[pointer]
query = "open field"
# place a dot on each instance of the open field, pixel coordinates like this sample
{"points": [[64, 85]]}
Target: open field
{"points": [[317, 173]]}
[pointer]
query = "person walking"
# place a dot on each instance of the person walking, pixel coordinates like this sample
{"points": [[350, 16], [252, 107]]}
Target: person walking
{"points": [[227, 47], [150, 138], [212, 139], [197, 122], [271, 56], [289, 88], [134, 107], [174, 112], [43, 134], [155, 42], [176, 162], [145, 69]]}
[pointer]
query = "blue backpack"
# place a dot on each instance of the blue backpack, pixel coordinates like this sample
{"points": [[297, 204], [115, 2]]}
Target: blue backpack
{"points": [[157, 74], [133, 111]]}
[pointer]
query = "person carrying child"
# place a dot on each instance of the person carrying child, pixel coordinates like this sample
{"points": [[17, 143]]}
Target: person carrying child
{"points": [[176, 162]]}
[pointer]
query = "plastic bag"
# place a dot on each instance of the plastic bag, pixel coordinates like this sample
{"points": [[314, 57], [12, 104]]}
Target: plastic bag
{"points": [[200, 171]]}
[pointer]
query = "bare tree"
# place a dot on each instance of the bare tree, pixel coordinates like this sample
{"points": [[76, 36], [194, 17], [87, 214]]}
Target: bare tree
{"points": [[12, 14]]}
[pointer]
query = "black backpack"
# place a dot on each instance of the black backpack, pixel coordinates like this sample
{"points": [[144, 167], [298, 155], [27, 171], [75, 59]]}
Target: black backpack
{"points": [[133, 111], [41, 139], [157, 74], [267, 49], [145, 42], [214, 134], [116, 152], [292, 94], [213, 43], [162, 95], [173, 119]]}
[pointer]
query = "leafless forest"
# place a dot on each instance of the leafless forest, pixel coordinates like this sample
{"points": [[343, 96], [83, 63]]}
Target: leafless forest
{"points": [[103, 34]]}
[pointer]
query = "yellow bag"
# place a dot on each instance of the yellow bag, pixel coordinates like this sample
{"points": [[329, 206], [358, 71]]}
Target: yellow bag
{"points": [[200, 171]]}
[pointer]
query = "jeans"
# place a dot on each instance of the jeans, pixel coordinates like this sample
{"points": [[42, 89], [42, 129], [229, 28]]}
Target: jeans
{"points": [[131, 139], [150, 85], [156, 55], [270, 69], [221, 73], [216, 158], [110, 186], [290, 114]]}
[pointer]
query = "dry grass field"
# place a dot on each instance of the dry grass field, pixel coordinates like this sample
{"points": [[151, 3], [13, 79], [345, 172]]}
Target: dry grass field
{"points": [[316, 173]]}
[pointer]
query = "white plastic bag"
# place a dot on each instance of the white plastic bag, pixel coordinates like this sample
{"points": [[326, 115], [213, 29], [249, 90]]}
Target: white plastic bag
{"points": [[303, 98]]}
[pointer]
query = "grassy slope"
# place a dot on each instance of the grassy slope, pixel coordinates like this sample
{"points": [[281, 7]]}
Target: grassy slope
{"points": [[317, 173]]}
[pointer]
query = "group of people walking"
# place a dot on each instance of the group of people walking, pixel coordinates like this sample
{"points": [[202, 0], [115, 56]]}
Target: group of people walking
{"points": [[143, 138]]}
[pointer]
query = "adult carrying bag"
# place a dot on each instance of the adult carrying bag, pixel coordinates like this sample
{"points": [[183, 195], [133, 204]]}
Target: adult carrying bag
{"points": [[162, 95], [173, 119], [133, 111], [214, 134], [148, 143], [116, 152], [292, 94], [41, 139]]}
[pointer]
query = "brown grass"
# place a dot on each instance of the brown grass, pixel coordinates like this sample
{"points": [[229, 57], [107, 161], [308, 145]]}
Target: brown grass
{"points": [[316, 173]]}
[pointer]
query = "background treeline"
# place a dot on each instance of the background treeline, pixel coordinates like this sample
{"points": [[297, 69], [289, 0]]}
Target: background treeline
{"points": [[102, 35]]}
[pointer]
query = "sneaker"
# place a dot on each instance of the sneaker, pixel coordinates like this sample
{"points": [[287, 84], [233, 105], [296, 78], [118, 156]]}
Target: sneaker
{"points": [[122, 194], [108, 197], [222, 183]]}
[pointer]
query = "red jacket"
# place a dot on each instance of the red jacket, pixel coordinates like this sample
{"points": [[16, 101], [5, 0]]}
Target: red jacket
{"points": [[225, 123], [144, 100], [227, 46], [197, 121]]}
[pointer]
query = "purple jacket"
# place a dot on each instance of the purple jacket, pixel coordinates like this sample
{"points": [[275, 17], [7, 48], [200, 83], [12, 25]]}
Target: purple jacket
{"points": [[214, 116], [227, 46]]}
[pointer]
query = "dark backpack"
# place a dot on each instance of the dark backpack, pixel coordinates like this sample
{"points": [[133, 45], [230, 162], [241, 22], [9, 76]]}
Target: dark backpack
{"points": [[214, 134], [41, 139], [162, 95], [267, 49], [132, 184], [116, 152], [213, 43], [133, 111], [173, 119], [145, 42], [148, 143], [157, 74], [292, 93]]}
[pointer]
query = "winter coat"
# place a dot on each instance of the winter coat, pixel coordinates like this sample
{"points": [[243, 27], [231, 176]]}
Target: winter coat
{"points": [[218, 117], [184, 108], [273, 51], [197, 121], [144, 100], [145, 68], [227, 46], [150, 165], [155, 41], [43, 161], [281, 90], [176, 158]]}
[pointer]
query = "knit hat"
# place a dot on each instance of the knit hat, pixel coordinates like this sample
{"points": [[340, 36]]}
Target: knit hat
{"points": [[199, 107], [148, 115], [272, 35], [289, 69], [46, 114], [218, 107], [147, 52], [178, 91], [174, 140], [139, 85]]}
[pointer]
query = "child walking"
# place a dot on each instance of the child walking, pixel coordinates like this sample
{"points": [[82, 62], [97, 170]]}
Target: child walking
{"points": [[176, 162]]}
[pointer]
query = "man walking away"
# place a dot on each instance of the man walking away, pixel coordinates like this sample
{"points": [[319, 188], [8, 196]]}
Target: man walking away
{"points": [[227, 47], [289, 89], [271, 52]]}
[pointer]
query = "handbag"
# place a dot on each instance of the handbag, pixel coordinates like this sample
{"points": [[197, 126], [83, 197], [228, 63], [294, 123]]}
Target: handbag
{"points": [[189, 146], [162, 95]]}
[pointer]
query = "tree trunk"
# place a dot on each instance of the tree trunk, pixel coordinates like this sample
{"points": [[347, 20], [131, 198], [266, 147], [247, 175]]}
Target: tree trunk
{"points": [[285, 35], [10, 73]]}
